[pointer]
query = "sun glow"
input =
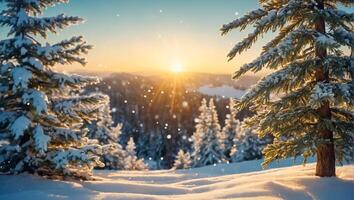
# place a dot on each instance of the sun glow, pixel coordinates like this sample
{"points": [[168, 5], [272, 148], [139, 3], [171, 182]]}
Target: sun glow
{"points": [[176, 68]]}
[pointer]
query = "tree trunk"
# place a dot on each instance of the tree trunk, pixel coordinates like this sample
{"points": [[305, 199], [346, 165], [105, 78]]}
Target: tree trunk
{"points": [[325, 152]]}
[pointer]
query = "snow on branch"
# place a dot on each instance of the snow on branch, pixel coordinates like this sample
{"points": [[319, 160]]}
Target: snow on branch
{"points": [[242, 22], [36, 99], [19, 126], [21, 78], [79, 107], [35, 7], [39, 26], [261, 26], [74, 80], [77, 160], [272, 18], [66, 51], [262, 90], [338, 94], [287, 50], [41, 140]]}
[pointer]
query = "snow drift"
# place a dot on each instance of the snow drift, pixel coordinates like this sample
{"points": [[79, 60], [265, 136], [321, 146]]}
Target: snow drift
{"points": [[243, 180]]}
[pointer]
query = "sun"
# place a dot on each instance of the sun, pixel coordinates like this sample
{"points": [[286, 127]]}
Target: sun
{"points": [[176, 68]]}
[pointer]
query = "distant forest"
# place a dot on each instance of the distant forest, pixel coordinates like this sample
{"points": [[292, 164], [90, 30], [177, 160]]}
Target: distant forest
{"points": [[159, 111]]}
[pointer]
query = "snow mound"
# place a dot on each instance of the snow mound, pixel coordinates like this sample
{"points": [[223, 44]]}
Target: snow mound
{"points": [[222, 91], [228, 181]]}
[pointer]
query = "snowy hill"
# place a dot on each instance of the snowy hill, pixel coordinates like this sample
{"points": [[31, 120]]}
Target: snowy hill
{"points": [[243, 180]]}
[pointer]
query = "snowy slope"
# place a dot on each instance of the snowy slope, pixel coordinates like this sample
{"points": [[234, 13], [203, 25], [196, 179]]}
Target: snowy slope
{"points": [[234, 181], [225, 91]]}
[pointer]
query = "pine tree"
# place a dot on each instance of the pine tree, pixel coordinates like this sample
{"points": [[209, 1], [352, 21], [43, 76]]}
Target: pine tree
{"points": [[183, 160], [102, 130], [102, 127], [42, 112], [207, 141], [247, 145], [229, 131], [312, 77], [131, 161]]}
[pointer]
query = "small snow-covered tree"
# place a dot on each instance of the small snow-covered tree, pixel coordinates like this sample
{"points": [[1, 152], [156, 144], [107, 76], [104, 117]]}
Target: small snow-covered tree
{"points": [[312, 78], [229, 131], [131, 162], [207, 141], [102, 127], [102, 130], [42, 115], [183, 160], [247, 145]]}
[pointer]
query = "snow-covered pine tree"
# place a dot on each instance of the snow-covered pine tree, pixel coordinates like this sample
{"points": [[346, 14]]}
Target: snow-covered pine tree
{"points": [[131, 162], [207, 141], [107, 135], [41, 116], [102, 128], [312, 76], [247, 145], [183, 160], [229, 131]]}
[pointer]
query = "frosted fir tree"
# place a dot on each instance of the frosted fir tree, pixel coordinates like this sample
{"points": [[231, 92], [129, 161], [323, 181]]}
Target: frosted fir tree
{"points": [[207, 141], [107, 135], [247, 145], [313, 78], [229, 131], [102, 127], [183, 160], [131, 162], [102, 130], [41, 116]]}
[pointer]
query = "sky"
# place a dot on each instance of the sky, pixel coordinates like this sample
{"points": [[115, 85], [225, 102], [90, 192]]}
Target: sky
{"points": [[157, 35]]}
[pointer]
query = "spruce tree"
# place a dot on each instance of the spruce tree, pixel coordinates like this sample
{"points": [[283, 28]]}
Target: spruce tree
{"points": [[131, 162], [247, 145], [42, 112], [183, 160], [207, 141], [311, 74], [107, 135], [102, 127], [229, 131]]}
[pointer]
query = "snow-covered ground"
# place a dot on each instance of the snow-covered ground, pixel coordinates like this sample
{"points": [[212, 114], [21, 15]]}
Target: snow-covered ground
{"points": [[234, 181], [225, 91]]}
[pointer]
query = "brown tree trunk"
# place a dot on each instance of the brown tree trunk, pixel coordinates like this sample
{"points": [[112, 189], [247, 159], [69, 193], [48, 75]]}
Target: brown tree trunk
{"points": [[325, 152]]}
